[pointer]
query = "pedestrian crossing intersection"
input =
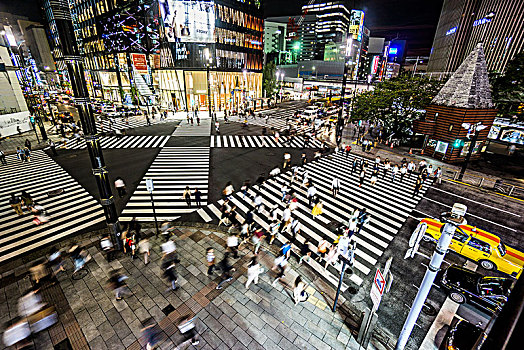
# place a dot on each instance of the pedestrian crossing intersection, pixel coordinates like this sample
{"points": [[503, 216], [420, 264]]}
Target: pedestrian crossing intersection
{"points": [[262, 141], [388, 203], [112, 124], [68, 212], [121, 142], [172, 170]]}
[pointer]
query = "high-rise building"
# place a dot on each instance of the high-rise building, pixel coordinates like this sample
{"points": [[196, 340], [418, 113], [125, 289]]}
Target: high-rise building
{"points": [[274, 37], [465, 23]]}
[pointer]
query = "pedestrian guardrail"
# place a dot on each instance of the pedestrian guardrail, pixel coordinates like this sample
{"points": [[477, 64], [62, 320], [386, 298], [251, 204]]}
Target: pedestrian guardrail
{"points": [[486, 182]]}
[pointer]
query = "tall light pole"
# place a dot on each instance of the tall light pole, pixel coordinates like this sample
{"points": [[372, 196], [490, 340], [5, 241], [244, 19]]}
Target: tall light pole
{"points": [[452, 221], [58, 11], [474, 129], [340, 121]]}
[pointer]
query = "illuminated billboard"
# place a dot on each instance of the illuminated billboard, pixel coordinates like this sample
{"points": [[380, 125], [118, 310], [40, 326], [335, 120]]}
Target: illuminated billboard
{"points": [[188, 21], [356, 24]]}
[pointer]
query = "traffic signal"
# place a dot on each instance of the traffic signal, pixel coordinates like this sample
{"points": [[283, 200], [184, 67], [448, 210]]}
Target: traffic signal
{"points": [[459, 143]]}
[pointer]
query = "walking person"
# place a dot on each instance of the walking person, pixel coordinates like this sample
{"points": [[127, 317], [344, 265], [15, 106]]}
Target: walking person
{"points": [[418, 186], [198, 198], [317, 209], [311, 194], [186, 195], [273, 229], [362, 219], [374, 176], [2, 158], [27, 200], [437, 176], [144, 249], [232, 245], [117, 281], [16, 203], [107, 247], [27, 154], [170, 273], [280, 266], [295, 228], [362, 177], [257, 237], [228, 190], [354, 165], [186, 325], [253, 270], [305, 252], [52, 146], [227, 269], [299, 292], [403, 171], [411, 168], [287, 160], [335, 186], [286, 219], [150, 333], [120, 187], [27, 144], [210, 259], [387, 166], [394, 172]]}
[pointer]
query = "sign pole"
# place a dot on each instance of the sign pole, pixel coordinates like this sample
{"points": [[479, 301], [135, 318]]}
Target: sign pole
{"points": [[150, 187], [344, 263]]}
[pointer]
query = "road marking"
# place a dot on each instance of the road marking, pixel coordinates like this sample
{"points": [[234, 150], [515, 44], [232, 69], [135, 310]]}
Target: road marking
{"points": [[204, 215], [486, 205], [475, 216]]}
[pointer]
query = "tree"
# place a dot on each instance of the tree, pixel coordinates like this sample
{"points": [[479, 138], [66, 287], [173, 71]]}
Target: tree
{"points": [[269, 82], [396, 103], [508, 89]]}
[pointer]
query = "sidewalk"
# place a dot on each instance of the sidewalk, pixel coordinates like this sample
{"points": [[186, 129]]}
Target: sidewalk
{"points": [[260, 318]]}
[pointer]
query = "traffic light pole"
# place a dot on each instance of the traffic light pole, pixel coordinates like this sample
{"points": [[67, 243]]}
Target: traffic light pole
{"points": [[340, 120], [61, 15]]}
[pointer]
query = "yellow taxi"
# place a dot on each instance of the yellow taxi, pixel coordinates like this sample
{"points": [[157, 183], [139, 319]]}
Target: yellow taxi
{"points": [[480, 246]]}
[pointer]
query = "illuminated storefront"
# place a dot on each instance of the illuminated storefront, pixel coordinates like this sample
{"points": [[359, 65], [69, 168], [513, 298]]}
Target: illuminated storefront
{"points": [[180, 89]]}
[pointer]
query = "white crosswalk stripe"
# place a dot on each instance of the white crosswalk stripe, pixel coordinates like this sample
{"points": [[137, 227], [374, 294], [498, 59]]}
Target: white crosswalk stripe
{"points": [[388, 203], [122, 142], [278, 123], [112, 124], [188, 129], [172, 170], [259, 141], [69, 213]]}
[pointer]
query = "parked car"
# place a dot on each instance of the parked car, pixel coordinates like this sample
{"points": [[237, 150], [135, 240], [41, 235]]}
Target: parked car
{"points": [[464, 335], [481, 246], [486, 293]]}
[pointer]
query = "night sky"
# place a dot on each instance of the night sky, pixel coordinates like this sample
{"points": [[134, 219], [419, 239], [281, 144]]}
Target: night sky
{"points": [[412, 20]]}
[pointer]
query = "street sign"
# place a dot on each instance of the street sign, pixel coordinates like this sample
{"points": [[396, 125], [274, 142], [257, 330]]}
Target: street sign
{"points": [[149, 185], [379, 281], [375, 296]]}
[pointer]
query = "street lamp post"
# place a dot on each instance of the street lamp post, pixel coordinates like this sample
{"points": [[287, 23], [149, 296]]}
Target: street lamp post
{"points": [[60, 14], [451, 220], [209, 59], [474, 129], [340, 121]]}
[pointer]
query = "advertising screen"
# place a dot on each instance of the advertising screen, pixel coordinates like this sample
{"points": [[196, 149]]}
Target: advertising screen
{"points": [[189, 21], [356, 24]]}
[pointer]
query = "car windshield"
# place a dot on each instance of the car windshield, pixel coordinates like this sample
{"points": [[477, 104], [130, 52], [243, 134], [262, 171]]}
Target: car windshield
{"points": [[490, 287], [502, 249]]}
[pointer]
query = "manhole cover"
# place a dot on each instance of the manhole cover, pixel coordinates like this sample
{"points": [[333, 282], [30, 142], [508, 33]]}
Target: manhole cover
{"points": [[429, 310]]}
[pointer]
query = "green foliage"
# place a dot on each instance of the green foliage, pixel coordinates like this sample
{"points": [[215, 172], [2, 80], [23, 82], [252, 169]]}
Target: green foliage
{"points": [[396, 103], [269, 82], [508, 89]]}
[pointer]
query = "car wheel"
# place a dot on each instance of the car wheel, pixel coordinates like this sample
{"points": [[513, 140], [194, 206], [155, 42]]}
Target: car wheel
{"points": [[488, 265], [457, 297]]}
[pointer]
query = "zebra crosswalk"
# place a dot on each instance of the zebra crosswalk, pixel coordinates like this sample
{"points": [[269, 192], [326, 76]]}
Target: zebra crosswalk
{"points": [[118, 123], [172, 170], [278, 123], [69, 212], [388, 203], [122, 142], [262, 141]]}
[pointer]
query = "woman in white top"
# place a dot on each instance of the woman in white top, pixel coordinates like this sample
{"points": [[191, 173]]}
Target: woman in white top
{"points": [[253, 271], [299, 292]]}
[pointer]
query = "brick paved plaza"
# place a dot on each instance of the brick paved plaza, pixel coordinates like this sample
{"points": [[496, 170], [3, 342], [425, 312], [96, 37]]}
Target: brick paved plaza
{"points": [[262, 317]]}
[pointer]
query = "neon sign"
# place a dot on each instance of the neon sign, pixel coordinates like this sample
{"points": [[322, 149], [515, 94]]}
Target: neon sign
{"points": [[451, 31], [393, 50]]}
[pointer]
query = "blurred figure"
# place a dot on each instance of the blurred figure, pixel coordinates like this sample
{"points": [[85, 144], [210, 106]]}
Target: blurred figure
{"points": [[170, 273], [55, 261], [144, 248], [120, 187], [38, 272], [27, 200], [39, 214], [186, 325], [150, 333], [117, 282], [107, 247], [80, 257], [16, 204]]}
